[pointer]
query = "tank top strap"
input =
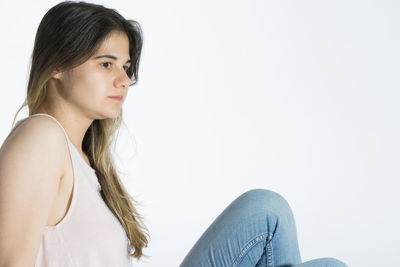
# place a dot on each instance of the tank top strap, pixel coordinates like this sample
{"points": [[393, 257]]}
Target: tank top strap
{"points": [[45, 114], [71, 146], [39, 114]]}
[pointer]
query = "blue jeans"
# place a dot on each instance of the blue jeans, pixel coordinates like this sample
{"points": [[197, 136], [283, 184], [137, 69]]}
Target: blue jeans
{"points": [[256, 229]]}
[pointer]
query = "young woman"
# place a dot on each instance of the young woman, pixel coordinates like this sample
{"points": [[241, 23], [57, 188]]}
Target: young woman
{"points": [[61, 200]]}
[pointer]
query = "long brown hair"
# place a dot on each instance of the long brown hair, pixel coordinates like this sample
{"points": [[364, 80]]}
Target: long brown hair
{"points": [[67, 36]]}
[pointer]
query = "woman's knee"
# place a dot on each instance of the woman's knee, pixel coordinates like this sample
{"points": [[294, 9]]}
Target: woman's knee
{"points": [[328, 262], [336, 263], [263, 193], [265, 199]]}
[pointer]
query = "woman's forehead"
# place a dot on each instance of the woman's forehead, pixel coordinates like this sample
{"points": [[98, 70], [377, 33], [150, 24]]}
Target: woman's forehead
{"points": [[115, 40]]}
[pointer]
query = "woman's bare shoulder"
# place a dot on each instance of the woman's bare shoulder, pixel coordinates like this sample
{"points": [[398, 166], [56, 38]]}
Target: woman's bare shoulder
{"points": [[31, 166], [40, 135]]}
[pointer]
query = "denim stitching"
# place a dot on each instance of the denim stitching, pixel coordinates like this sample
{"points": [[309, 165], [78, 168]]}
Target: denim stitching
{"points": [[249, 245], [269, 251]]}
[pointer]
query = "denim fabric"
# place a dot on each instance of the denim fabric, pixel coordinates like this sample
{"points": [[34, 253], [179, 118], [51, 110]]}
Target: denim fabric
{"points": [[256, 229]]}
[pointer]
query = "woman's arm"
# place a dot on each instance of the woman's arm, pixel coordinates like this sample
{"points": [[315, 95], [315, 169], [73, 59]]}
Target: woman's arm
{"points": [[31, 166]]}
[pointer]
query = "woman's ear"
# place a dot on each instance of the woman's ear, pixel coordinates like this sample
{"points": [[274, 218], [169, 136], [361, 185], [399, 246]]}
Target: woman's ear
{"points": [[56, 74]]}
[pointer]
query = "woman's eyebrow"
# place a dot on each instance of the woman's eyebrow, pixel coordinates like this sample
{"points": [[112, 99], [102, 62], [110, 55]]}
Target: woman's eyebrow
{"points": [[113, 57]]}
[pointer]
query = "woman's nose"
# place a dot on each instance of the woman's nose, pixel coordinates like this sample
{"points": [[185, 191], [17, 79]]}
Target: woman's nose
{"points": [[123, 79]]}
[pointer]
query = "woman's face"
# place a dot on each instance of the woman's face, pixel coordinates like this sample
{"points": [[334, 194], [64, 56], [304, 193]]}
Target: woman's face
{"points": [[89, 86]]}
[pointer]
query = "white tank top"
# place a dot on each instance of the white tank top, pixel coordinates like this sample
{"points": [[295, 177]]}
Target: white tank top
{"points": [[89, 235]]}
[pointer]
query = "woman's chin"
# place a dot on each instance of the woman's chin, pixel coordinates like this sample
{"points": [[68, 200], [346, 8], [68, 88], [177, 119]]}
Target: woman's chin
{"points": [[111, 114]]}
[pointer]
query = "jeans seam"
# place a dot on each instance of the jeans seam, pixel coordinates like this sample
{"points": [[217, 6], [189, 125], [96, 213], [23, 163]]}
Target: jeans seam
{"points": [[251, 244], [269, 251]]}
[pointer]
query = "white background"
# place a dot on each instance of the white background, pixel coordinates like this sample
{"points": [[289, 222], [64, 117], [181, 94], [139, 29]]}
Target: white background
{"points": [[299, 97]]}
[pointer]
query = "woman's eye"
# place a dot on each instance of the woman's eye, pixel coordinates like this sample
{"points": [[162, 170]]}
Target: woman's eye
{"points": [[105, 64]]}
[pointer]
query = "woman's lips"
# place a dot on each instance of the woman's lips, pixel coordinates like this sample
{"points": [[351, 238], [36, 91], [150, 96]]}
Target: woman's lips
{"points": [[118, 98]]}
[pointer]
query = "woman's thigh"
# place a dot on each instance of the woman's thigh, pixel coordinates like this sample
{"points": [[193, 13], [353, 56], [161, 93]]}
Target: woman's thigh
{"points": [[256, 229]]}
